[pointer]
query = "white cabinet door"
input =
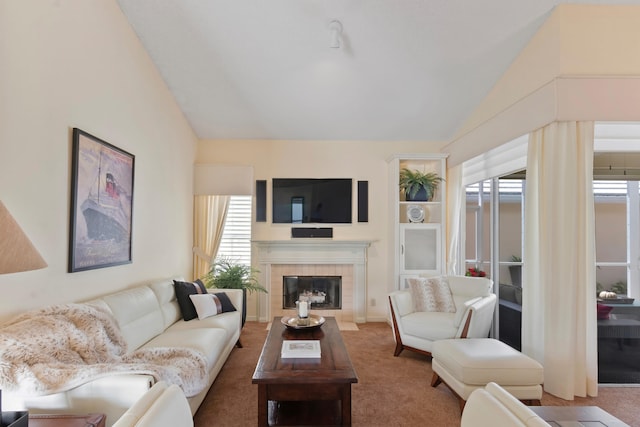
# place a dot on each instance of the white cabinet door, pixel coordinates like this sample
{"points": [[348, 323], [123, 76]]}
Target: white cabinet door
{"points": [[420, 249]]}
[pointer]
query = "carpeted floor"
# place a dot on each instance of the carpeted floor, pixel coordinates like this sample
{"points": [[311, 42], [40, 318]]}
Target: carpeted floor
{"points": [[392, 391]]}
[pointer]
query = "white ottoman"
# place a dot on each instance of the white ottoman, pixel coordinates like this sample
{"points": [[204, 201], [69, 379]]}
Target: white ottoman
{"points": [[468, 364]]}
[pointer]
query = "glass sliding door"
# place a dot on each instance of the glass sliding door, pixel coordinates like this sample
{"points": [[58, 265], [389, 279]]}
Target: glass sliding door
{"points": [[478, 230], [493, 241], [617, 224], [510, 223], [493, 244]]}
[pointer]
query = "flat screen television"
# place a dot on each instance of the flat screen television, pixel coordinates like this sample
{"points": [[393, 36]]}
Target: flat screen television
{"points": [[312, 200]]}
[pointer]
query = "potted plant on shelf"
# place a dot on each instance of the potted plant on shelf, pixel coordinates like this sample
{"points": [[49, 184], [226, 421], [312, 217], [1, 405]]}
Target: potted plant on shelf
{"points": [[228, 274], [418, 186]]}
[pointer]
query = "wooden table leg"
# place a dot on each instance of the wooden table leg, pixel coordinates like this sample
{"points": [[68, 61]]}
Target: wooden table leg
{"points": [[263, 406], [346, 405]]}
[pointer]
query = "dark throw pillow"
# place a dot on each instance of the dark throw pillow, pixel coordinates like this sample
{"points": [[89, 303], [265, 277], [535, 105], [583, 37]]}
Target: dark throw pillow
{"points": [[227, 305], [183, 290]]}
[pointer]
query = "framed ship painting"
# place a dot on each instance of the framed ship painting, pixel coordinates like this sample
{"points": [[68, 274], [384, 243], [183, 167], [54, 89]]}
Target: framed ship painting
{"points": [[101, 204]]}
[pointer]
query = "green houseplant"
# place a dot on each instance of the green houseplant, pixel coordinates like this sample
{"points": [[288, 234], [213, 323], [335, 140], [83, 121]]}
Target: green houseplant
{"points": [[418, 186], [226, 273]]}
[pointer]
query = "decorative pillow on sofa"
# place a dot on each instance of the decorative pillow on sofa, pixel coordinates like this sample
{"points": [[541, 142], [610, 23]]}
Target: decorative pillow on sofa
{"points": [[431, 294], [183, 290], [227, 305], [208, 305]]}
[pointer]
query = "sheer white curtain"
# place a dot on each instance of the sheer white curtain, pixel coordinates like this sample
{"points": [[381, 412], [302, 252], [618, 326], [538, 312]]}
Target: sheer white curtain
{"points": [[456, 198], [559, 307], [209, 214]]}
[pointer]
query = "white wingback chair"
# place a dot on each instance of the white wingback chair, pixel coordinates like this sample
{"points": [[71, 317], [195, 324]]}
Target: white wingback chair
{"points": [[417, 330], [493, 406]]}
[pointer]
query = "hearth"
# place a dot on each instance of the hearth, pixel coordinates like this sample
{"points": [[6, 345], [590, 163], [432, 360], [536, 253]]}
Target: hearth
{"points": [[314, 257], [322, 292]]}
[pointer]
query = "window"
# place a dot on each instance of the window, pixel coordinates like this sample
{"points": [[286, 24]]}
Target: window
{"points": [[236, 236], [611, 210]]}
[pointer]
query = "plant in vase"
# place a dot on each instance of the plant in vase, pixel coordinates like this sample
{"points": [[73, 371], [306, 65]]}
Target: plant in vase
{"points": [[229, 274], [474, 272], [418, 186]]}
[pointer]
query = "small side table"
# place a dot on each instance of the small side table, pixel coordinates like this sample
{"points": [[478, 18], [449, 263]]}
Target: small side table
{"points": [[65, 420], [555, 415]]}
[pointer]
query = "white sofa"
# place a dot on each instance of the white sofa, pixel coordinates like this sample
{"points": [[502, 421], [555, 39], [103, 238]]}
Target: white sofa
{"points": [[417, 330], [493, 406], [148, 316]]}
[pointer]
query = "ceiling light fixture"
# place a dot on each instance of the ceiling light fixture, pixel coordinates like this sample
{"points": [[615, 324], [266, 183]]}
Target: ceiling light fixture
{"points": [[335, 34]]}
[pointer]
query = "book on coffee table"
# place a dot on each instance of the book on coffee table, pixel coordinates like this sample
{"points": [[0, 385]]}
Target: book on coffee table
{"points": [[300, 349]]}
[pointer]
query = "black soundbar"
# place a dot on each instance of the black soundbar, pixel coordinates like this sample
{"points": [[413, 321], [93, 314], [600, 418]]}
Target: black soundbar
{"points": [[307, 232]]}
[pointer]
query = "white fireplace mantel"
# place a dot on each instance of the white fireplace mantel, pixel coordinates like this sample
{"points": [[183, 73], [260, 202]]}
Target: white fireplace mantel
{"points": [[316, 251]]}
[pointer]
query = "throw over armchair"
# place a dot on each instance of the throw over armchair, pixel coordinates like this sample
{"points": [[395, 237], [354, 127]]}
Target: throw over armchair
{"points": [[470, 318]]}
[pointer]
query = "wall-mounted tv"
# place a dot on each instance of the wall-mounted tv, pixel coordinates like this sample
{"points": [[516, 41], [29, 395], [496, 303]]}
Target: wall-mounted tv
{"points": [[311, 200]]}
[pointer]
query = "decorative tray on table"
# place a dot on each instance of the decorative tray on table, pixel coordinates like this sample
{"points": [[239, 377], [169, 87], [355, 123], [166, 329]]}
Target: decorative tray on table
{"points": [[313, 321], [618, 300]]}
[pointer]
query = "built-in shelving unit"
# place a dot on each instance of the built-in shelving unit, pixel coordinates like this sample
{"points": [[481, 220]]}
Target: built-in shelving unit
{"points": [[418, 230]]}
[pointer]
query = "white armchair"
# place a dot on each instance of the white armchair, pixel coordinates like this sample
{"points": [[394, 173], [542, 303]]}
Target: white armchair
{"points": [[493, 406], [417, 330]]}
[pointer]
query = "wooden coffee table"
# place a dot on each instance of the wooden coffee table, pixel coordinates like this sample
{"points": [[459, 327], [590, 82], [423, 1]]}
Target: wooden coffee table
{"points": [[304, 391]]}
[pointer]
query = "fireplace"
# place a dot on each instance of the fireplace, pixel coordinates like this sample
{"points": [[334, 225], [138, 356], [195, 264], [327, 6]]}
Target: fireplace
{"points": [[322, 292], [278, 259]]}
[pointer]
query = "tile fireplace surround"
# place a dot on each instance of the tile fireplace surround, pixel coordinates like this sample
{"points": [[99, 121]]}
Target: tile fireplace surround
{"points": [[314, 257]]}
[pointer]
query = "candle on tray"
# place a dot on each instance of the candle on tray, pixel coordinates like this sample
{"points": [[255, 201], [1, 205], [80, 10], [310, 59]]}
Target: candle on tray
{"points": [[303, 309]]}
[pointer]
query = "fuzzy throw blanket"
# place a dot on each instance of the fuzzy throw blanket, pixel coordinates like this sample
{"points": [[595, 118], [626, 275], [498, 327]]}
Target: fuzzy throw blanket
{"points": [[63, 346]]}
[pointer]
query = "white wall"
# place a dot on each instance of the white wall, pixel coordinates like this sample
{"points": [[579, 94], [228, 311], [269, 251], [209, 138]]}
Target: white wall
{"points": [[77, 63], [364, 161]]}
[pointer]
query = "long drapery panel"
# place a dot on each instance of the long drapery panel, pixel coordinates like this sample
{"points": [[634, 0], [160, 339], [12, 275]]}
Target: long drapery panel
{"points": [[456, 198], [559, 294], [209, 215]]}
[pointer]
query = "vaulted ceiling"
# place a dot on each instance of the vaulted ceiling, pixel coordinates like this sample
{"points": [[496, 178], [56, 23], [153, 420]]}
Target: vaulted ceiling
{"points": [[405, 69]]}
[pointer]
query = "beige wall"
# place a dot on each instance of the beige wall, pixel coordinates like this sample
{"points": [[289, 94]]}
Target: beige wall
{"points": [[77, 63], [317, 159]]}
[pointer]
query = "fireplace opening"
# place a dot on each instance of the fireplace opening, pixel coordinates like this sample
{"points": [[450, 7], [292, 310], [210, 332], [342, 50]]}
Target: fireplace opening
{"points": [[322, 292]]}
